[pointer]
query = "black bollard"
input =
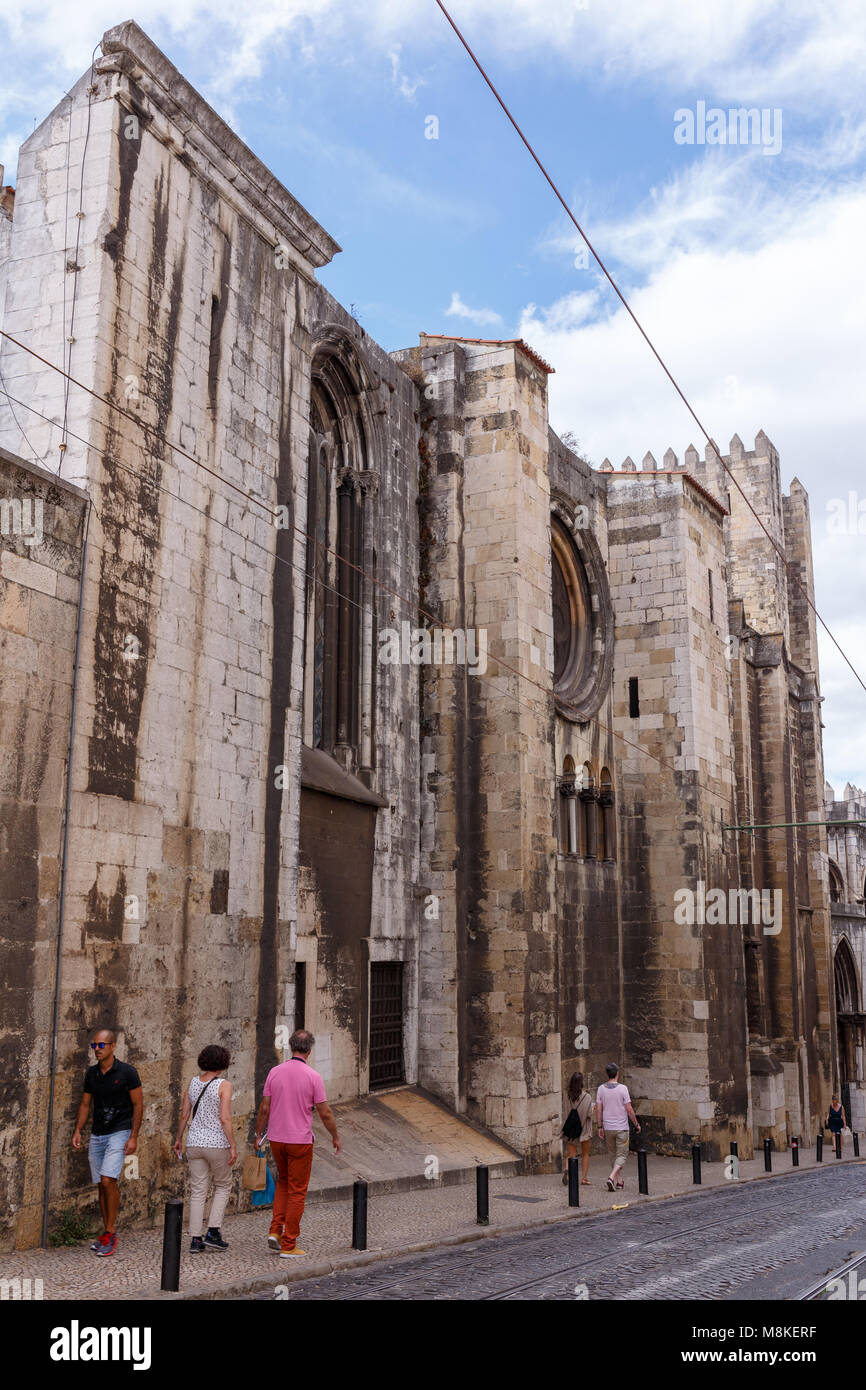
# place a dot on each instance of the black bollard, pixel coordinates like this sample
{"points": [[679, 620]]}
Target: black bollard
{"points": [[795, 1153], [482, 1195], [735, 1149], [574, 1182], [696, 1163], [642, 1183], [172, 1231], [819, 1149], [838, 1145], [768, 1155], [359, 1214], [856, 1144]]}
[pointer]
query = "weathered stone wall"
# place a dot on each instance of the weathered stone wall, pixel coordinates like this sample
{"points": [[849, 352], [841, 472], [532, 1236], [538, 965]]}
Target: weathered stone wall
{"points": [[488, 749], [683, 980], [589, 958], [198, 318], [42, 525]]}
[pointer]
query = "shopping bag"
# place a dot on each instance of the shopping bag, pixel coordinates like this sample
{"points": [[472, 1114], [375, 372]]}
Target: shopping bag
{"points": [[255, 1174], [265, 1197]]}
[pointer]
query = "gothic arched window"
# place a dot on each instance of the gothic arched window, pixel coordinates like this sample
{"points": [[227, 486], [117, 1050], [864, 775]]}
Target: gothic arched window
{"points": [[608, 815], [337, 483], [571, 614], [568, 808], [837, 887]]}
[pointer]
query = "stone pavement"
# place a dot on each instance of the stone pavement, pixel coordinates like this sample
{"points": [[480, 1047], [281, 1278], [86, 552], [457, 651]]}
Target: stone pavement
{"points": [[400, 1222]]}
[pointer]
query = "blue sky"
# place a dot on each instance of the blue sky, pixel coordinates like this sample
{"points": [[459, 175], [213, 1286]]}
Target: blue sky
{"points": [[746, 268]]}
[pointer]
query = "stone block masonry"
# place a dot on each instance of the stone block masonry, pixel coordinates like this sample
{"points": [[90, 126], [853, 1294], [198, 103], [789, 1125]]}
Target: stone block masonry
{"points": [[39, 591]]}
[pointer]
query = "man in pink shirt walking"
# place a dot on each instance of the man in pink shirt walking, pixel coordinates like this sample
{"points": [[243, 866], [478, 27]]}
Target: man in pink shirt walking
{"points": [[613, 1111], [292, 1091]]}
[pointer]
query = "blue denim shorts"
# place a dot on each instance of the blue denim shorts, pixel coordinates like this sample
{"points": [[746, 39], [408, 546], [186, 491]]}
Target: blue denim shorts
{"points": [[105, 1152]]}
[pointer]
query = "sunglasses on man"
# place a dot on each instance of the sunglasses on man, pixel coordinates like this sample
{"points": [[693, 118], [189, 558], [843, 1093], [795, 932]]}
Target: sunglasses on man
{"points": [[98, 1046]]}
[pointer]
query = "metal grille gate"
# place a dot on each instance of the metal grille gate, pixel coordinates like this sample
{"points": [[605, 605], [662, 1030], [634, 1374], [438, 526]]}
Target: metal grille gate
{"points": [[386, 1024]]}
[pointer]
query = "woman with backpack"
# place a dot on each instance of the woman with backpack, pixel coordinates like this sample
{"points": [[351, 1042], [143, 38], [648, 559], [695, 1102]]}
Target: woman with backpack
{"points": [[210, 1149], [578, 1126]]}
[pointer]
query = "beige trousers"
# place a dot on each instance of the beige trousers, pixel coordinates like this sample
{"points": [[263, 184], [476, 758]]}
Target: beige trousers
{"points": [[205, 1164], [616, 1143]]}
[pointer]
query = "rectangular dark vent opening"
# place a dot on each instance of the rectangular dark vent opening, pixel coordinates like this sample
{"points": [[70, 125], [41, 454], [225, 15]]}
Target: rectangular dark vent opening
{"points": [[633, 698], [386, 1024], [300, 995]]}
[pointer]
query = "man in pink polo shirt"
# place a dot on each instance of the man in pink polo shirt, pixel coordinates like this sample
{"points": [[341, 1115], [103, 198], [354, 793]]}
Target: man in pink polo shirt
{"points": [[292, 1091]]}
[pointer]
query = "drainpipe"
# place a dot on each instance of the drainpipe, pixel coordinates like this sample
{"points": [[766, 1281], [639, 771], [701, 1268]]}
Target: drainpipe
{"points": [[55, 1022]]}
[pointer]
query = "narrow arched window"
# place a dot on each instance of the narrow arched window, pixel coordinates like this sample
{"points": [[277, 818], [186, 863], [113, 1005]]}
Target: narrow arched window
{"points": [[608, 815], [337, 646], [588, 831], [836, 885], [568, 808]]}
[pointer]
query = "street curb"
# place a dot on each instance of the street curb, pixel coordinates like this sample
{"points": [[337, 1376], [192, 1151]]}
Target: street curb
{"points": [[296, 1275], [415, 1182]]}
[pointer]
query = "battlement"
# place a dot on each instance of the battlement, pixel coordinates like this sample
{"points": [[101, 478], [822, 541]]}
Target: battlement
{"points": [[692, 462]]}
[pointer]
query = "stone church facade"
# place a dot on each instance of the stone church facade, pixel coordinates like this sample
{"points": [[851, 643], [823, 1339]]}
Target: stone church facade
{"points": [[473, 876], [847, 849]]}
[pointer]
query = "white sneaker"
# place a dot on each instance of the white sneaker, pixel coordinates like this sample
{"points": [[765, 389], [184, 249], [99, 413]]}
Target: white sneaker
{"points": [[274, 1243]]}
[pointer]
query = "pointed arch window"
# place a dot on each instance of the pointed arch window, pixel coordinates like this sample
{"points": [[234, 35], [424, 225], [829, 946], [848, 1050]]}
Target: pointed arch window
{"points": [[608, 815], [338, 483], [568, 808]]}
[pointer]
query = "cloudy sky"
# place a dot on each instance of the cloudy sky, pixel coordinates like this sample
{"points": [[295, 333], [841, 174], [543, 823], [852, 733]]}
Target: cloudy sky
{"points": [[745, 267]]}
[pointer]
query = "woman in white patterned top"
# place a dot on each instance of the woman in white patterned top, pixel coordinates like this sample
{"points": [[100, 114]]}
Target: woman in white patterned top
{"points": [[210, 1149]]}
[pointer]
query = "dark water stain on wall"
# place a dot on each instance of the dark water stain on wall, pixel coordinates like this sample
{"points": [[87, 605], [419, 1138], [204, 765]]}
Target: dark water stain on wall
{"points": [[129, 507], [282, 609]]}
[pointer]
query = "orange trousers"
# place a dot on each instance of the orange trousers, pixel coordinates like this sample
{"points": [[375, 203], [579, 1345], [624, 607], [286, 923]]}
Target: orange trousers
{"points": [[294, 1164]]}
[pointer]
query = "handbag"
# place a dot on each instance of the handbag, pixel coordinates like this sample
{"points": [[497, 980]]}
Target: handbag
{"points": [[255, 1174]]}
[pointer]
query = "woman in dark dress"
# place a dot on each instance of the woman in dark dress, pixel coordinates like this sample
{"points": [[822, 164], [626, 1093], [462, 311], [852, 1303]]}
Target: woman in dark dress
{"points": [[578, 1126], [835, 1120]]}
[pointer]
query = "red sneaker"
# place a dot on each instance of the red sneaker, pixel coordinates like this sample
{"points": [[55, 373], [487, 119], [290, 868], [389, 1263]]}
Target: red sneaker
{"points": [[110, 1245], [96, 1245]]}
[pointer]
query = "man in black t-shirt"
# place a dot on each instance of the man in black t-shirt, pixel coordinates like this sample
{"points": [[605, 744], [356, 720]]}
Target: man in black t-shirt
{"points": [[114, 1089]]}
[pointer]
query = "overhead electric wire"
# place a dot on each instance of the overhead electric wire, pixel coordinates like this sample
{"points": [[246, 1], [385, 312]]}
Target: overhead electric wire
{"points": [[618, 292]]}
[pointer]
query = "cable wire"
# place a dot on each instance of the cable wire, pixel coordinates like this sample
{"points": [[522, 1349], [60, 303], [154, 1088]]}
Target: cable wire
{"points": [[618, 292]]}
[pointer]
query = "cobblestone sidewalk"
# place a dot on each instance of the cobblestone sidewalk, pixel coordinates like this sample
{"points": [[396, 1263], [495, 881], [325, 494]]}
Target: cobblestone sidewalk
{"points": [[398, 1222]]}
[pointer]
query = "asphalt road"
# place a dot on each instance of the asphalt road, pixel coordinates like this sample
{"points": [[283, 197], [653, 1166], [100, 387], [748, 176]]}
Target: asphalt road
{"points": [[765, 1240]]}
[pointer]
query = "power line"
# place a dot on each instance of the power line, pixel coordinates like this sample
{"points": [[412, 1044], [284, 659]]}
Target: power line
{"points": [[648, 340]]}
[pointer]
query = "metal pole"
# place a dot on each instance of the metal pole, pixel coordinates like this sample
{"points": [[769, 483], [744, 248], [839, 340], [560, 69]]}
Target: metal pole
{"points": [[696, 1163], [768, 1155], [359, 1214], [642, 1183], [856, 1144], [819, 1149], [171, 1236], [838, 1145], [482, 1195], [795, 1153], [574, 1182]]}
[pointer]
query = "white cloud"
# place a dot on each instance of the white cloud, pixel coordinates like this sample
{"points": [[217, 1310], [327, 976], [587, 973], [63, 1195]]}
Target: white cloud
{"points": [[764, 51], [767, 335], [483, 317], [406, 88]]}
